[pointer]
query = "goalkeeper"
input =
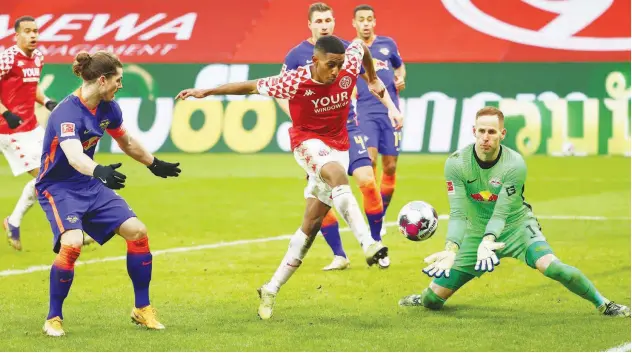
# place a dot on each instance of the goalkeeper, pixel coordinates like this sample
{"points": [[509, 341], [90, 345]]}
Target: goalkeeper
{"points": [[489, 219]]}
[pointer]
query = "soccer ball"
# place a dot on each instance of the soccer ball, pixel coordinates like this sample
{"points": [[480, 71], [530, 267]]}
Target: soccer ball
{"points": [[417, 220]]}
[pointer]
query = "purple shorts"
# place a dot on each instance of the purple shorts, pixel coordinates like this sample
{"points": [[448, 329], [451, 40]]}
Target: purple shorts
{"points": [[358, 154], [381, 134], [91, 207]]}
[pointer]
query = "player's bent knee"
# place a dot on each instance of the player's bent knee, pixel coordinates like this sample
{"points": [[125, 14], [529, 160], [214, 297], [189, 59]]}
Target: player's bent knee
{"points": [[389, 169], [431, 300], [544, 262], [389, 164], [443, 292], [73, 238], [334, 174], [539, 256], [132, 229], [364, 175]]}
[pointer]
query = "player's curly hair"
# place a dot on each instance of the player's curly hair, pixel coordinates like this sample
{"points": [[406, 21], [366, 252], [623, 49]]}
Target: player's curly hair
{"points": [[92, 66]]}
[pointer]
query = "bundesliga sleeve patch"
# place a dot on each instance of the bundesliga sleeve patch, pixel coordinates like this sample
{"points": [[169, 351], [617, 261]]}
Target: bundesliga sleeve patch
{"points": [[450, 186], [67, 129]]}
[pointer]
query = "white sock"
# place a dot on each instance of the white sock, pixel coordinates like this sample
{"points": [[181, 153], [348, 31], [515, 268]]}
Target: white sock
{"points": [[299, 245], [24, 203], [347, 206]]}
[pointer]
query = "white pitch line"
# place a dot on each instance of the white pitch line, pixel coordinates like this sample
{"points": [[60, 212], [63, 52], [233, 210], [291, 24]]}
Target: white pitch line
{"points": [[40, 268], [626, 347]]}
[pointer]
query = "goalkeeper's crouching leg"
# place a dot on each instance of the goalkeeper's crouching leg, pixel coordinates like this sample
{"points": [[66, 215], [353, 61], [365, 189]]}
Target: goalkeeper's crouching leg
{"points": [[430, 300], [435, 296]]}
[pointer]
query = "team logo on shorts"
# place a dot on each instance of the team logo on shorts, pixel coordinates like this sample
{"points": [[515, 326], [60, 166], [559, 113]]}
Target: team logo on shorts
{"points": [[324, 152], [67, 129], [72, 219], [345, 82]]}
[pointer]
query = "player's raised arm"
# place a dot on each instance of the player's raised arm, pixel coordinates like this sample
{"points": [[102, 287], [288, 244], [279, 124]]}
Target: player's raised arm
{"points": [[440, 263], [281, 86], [236, 88], [6, 63], [397, 120], [133, 148], [41, 98], [399, 68], [284, 104]]}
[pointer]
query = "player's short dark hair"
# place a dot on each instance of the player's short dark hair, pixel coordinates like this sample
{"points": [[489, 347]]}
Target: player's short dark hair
{"points": [[17, 23], [363, 7], [92, 66], [329, 44], [318, 7]]}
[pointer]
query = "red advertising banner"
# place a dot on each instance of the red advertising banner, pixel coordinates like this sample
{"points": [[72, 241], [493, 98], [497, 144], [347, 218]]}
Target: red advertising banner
{"points": [[262, 31]]}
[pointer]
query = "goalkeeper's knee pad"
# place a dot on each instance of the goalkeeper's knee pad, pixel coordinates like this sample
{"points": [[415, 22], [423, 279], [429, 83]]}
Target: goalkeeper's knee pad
{"points": [[430, 300]]}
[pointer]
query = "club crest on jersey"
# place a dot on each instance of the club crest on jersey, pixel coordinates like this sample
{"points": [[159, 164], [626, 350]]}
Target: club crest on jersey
{"points": [[67, 129], [37, 61], [495, 182], [384, 51], [484, 196], [91, 142], [104, 124], [345, 82]]}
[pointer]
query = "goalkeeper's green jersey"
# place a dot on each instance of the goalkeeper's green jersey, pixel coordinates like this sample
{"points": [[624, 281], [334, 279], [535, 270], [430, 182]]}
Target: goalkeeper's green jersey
{"points": [[485, 197]]}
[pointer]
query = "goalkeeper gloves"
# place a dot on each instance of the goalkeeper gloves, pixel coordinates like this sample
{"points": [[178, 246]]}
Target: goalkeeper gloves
{"points": [[164, 169], [12, 120], [109, 176], [486, 257], [440, 263]]}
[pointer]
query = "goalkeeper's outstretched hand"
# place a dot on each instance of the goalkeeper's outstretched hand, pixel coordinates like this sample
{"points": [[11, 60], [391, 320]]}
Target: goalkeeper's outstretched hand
{"points": [[486, 257], [440, 263]]}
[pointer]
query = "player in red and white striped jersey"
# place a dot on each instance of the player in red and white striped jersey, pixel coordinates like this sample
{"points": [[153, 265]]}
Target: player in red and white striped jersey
{"points": [[319, 98], [20, 135]]}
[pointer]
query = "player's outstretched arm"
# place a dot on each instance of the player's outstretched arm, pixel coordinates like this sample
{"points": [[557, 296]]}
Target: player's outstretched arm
{"points": [[376, 86], [73, 150], [439, 264], [509, 199], [400, 77], [236, 88], [133, 148], [41, 98], [457, 198], [397, 120]]}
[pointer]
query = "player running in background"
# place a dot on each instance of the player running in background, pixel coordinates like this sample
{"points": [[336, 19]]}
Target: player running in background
{"points": [[489, 219], [319, 97], [383, 138], [321, 23], [75, 192], [20, 135]]}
